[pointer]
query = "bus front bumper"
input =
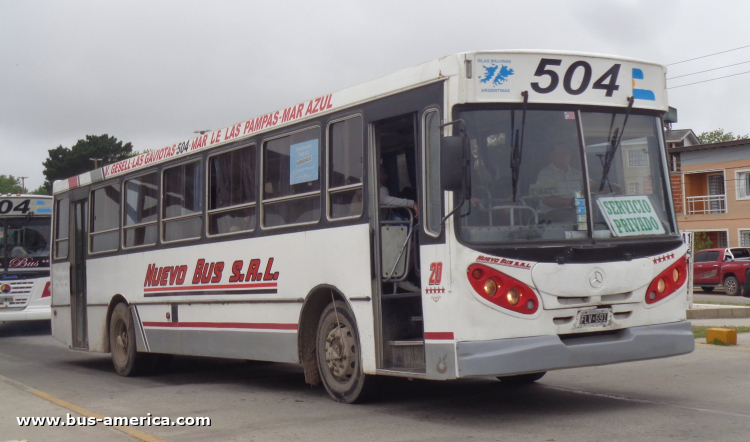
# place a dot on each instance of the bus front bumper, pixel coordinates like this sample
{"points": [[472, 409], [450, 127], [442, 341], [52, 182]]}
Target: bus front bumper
{"points": [[31, 313], [542, 353]]}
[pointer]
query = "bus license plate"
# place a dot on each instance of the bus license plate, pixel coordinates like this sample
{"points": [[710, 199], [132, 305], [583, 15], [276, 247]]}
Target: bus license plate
{"points": [[595, 318]]}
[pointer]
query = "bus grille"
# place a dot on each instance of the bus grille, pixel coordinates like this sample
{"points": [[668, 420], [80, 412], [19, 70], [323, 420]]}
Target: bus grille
{"points": [[19, 301], [21, 287], [21, 293]]}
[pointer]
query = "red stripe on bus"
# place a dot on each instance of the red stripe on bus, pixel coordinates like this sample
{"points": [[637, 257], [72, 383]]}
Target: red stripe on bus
{"points": [[439, 335], [210, 287], [73, 182], [257, 326]]}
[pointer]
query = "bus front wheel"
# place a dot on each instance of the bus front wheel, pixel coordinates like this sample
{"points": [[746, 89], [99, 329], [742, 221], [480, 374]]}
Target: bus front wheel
{"points": [[125, 357], [339, 356], [522, 379]]}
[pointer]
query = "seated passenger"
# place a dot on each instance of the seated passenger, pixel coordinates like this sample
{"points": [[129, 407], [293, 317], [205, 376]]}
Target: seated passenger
{"points": [[387, 200]]}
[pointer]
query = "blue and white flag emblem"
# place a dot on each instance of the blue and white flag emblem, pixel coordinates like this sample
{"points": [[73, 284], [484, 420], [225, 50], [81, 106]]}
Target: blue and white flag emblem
{"points": [[641, 94]]}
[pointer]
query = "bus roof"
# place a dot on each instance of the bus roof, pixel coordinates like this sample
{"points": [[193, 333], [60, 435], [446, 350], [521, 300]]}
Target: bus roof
{"points": [[23, 204], [430, 72], [23, 195]]}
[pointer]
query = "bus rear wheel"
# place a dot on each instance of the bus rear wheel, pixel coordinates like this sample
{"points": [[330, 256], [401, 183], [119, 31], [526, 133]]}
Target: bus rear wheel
{"points": [[522, 379], [125, 357], [339, 356]]}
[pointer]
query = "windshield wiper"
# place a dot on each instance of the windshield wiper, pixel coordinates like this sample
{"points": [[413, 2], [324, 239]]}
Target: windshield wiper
{"points": [[609, 156], [517, 150]]}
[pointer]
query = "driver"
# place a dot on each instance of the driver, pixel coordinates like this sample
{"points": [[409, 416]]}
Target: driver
{"points": [[558, 182]]}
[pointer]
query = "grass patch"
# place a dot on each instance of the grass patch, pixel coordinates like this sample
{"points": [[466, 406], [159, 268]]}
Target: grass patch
{"points": [[699, 331], [719, 343]]}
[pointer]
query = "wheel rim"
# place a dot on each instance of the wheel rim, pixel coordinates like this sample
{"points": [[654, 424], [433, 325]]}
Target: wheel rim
{"points": [[730, 286], [341, 352], [120, 347]]}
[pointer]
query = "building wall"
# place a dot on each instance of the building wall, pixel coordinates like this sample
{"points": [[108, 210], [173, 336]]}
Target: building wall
{"points": [[677, 194], [737, 217]]}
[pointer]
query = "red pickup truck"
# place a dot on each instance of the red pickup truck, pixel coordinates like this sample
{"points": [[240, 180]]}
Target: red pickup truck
{"points": [[715, 267]]}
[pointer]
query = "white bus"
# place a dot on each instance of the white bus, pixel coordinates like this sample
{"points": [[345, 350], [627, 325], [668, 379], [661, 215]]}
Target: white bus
{"points": [[25, 243], [545, 236]]}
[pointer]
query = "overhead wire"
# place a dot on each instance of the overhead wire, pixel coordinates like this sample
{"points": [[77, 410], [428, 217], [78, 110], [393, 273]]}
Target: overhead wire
{"points": [[709, 55], [705, 81], [708, 70]]}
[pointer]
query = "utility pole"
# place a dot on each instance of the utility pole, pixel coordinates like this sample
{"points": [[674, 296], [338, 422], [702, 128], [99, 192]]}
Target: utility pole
{"points": [[96, 162], [23, 178]]}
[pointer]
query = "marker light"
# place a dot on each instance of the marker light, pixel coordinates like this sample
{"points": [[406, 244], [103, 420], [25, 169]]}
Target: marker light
{"points": [[502, 290], [667, 282], [513, 296], [490, 287]]}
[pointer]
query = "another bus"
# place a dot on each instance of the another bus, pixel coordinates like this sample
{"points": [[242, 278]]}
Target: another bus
{"points": [[25, 244], [544, 236]]}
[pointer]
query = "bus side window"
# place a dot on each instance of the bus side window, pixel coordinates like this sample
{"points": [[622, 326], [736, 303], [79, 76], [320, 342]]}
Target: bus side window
{"points": [[291, 179], [141, 210], [62, 228], [345, 168], [182, 202], [105, 219], [231, 191]]}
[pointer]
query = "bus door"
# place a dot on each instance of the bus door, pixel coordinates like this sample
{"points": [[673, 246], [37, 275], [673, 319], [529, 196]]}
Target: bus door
{"points": [[395, 178], [79, 241]]}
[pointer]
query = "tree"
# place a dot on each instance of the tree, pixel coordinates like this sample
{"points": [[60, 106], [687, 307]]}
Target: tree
{"points": [[64, 163], [41, 190], [10, 184], [719, 136], [701, 241]]}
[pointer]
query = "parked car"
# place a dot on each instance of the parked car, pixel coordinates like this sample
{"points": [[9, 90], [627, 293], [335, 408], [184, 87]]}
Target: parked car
{"points": [[721, 267]]}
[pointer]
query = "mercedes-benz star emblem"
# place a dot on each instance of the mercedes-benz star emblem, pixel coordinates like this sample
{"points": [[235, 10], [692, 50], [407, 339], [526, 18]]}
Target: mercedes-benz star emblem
{"points": [[596, 278]]}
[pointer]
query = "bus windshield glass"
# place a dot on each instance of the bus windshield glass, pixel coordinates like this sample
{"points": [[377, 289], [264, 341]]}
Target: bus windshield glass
{"points": [[618, 161], [25, 237]]}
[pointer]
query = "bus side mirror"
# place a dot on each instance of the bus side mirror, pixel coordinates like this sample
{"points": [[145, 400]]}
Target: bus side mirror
{"points": [[455, 173]]}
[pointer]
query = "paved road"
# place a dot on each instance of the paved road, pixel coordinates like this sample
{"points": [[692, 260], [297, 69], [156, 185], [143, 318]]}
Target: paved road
{"points": [[718, 295], [701, 396]]}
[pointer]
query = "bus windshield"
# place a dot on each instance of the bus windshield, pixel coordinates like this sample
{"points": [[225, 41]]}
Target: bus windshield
{"points": [[25, 237], [618, 161]]}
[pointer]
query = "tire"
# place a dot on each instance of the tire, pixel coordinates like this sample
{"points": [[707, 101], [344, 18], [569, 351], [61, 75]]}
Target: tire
{"points": [[522, 379], [732, 286], [339, 356], [708, 289], [125, 358]]}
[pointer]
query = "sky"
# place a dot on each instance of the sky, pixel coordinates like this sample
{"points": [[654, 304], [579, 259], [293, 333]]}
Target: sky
{"points": [[153, 72]]}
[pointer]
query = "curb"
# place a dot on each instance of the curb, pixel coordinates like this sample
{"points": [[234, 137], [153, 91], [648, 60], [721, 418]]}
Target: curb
{"points": [[718, 313]]}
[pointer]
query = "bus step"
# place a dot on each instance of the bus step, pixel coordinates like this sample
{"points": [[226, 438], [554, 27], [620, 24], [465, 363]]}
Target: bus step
{"points": [[407, 354]]}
